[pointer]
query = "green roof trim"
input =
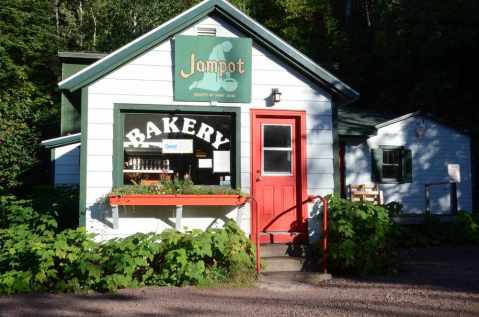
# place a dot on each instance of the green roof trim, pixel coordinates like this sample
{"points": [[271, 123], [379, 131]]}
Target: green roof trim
{"points": [[61, 141], [355, 121], [81, 55], [401, 118], [248, 26]]}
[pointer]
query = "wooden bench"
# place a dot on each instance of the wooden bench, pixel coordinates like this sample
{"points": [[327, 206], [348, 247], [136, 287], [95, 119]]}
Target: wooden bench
{"points": [[366, 193]]}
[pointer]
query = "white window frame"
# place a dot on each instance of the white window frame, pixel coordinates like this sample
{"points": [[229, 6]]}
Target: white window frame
{"points": [[263, 149]]}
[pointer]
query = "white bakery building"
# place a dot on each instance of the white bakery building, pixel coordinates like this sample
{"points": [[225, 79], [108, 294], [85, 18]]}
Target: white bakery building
{"points": [[215, 95]]}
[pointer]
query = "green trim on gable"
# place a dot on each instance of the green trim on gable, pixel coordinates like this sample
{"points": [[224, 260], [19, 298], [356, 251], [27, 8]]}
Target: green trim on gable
{"points": [[70, 112], [120, 109], [249, 27], [83, 156], [133, 49], [61, 141]]}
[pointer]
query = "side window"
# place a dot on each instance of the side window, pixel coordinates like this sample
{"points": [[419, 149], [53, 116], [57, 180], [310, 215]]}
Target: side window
{"points": [[391, 165]]}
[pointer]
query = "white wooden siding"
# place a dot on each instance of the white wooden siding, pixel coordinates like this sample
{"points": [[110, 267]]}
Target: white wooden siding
{"points": [[67, 164], [431, 154], [148, 80]]}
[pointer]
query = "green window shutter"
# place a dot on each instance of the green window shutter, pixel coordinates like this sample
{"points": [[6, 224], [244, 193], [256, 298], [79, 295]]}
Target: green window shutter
{"points": [[376, 165], [406, 156]]}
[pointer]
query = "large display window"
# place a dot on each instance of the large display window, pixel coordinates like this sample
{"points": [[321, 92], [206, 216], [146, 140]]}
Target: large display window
{"points": [[163, 146]]}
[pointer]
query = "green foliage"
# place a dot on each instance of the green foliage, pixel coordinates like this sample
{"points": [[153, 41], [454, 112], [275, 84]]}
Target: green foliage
{"points": [[61, 201], [466, 228], [394, 208], [360, 238], [463, 229], [27, 83], [15, 212], [36, 256], [98, 25], [174, 187], [42, 203]]}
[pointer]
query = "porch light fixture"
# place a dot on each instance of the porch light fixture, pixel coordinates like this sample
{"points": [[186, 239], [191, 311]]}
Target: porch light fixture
{"points": [[275, 95]]}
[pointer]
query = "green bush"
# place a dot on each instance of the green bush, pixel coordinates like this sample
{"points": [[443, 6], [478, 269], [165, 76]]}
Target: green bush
{"points": [[35, 257], [464, 229], [394, 208], [61, 201], [14, 211], [360, 238]]}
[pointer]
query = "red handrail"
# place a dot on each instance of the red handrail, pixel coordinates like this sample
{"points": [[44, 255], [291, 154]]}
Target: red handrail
{"points": [[325, 230]]}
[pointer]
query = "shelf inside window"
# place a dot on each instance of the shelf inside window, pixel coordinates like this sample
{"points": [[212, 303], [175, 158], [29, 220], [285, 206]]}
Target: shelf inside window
{"points": [[149, 171]]}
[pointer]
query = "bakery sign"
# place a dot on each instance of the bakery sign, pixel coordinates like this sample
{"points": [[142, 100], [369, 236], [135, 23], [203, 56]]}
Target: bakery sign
{"points": [[209, 68], [150, 135]]}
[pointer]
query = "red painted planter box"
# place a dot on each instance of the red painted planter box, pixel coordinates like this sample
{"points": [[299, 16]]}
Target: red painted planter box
{"points": [[176, 200]]}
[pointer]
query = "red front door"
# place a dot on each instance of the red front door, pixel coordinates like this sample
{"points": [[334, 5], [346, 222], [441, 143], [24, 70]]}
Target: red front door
{"points": [[277, 174]]}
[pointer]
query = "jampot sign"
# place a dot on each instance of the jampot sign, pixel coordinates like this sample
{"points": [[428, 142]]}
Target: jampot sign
{"points": [[212, 69]]}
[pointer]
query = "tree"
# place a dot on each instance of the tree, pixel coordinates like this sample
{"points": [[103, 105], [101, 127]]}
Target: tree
{"points": [[27, 84]]}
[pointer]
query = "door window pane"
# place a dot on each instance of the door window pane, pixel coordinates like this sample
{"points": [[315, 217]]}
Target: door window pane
{"points": [[277, 162], [277, 150], [277, 136]]}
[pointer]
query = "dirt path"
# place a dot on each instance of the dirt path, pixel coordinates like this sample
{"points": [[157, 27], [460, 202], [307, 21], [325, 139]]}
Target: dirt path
{"points": [[433, 282]]}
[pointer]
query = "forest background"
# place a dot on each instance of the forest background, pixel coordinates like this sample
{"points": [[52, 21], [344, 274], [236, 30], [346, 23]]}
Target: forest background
{"points": [[401, 55]]}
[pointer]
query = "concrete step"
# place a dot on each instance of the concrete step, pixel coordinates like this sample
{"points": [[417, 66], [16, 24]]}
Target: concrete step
{"points": [[282, 264], [284, 249], [283, 237], [297, 277]]}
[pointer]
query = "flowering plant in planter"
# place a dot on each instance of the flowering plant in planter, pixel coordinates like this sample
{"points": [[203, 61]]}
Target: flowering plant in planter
{"points": [[175, 187], [176, 192]]}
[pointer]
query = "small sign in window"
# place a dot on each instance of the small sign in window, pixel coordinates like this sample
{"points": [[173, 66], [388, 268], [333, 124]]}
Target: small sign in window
{"points": [[454, 171]]}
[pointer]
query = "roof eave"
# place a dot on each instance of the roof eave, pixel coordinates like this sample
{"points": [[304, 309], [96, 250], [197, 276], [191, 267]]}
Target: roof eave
{"points": [[280, 47], [61, 141], [343, 93], [398, 119], [81, 55]]}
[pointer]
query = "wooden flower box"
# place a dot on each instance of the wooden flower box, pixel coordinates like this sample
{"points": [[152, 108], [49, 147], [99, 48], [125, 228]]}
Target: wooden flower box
{"points": [[176, 200]]}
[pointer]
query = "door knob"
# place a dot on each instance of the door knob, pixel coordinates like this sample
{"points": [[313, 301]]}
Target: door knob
{"points": [[258, 176]]}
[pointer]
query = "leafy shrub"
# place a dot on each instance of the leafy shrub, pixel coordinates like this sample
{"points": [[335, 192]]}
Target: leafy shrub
{"points": [[464, 229], [20, 212], [42, 203], [61, 201], [360, 238], [394, 208], [35, 257], [198, 256]]}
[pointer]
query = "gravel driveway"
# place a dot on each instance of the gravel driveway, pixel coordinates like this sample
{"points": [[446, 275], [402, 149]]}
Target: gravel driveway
{"points": [[433, 282]]}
